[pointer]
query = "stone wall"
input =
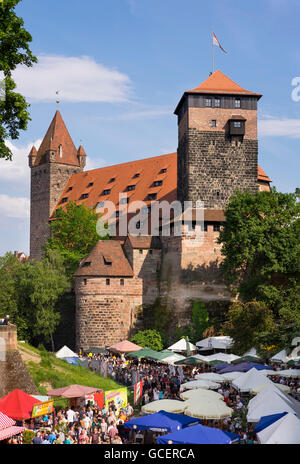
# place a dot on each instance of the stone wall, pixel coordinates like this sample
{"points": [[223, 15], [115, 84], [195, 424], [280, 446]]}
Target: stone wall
{"points": [[48, 181], [212, 167], [105, 314]]}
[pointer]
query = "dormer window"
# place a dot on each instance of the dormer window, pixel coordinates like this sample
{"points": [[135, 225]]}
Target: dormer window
{"points": [[86, 264], [152, 196], [64, 200], [217, 102], [237, 103], [91, 184], [136, 175], [112, 180], [163, 171], [84, 196], [213, 123], [158, 183], [106, 192], [237, 124], [69, 189], [130, 188]]}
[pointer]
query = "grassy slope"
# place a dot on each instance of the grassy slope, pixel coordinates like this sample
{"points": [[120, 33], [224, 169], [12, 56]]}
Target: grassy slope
{"points": [[48, 372]]}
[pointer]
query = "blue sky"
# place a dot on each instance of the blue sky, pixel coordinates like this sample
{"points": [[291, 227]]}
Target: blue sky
{"points": [[121, 67]]}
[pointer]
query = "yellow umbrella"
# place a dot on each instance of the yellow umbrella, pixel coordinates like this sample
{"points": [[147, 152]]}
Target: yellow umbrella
{"points": [[174, 406]]}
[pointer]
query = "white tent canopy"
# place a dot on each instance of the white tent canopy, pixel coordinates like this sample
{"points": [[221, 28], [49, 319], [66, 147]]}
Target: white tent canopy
{"points": [[226, 357], [223, 343], [271, 401], [260, 388], [173, 358], [280, 357], [252, 353], [65, 352], [285, 431], [292, 373], [180, 346], [253, 378], [230, 376]]}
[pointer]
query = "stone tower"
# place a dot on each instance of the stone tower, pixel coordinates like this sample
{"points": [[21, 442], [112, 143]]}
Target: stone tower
{"points": [[217, 142], [51, 168]]}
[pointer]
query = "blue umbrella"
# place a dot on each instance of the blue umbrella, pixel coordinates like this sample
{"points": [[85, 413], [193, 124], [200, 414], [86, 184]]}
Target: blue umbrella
{"points": [[221, 366], [265, 421], [199, 435], [74, 361], [162, 421]]}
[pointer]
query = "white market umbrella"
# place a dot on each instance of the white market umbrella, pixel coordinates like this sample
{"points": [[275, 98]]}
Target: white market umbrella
{"points": [[253, 378], [208, 410], [230, 376], [194, 384], [290, 373], [65, 352], [180, 346], [174, 406], [222, 342], [211, 376], [201, 395], [267, 372], [285, 431], [260, 388]]}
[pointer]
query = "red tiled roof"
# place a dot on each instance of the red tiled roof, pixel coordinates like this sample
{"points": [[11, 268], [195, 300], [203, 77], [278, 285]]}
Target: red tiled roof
{"points": [[118, 178], [262, 176], [58, 136], [95, 182], [103, 253], [220, 83]]}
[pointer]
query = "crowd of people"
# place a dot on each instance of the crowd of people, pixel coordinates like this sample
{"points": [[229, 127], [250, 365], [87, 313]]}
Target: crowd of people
{"points": [[88, 424]]}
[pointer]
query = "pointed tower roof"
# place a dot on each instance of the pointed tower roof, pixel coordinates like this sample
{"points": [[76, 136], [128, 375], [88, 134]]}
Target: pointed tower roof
{"points": [[58, 139], [33, 152], [81, 151], [218, 83]]}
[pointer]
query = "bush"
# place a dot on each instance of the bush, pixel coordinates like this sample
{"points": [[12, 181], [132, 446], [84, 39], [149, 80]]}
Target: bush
{"points": [[148, 339]]}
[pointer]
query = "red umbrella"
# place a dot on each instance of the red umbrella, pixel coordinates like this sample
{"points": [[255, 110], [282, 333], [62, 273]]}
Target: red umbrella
{"points": [[73, 391], [18, 405]]}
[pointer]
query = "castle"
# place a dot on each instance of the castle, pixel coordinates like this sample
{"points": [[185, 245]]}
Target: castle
{"points": [[217, 154]]}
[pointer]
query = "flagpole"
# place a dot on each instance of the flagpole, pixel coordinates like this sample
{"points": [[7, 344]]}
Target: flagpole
{"points": [[213, 53]]}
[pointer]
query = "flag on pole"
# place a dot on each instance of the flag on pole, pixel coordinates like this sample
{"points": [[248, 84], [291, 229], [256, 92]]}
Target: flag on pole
{"points": [[138, 391], [216, 42]]}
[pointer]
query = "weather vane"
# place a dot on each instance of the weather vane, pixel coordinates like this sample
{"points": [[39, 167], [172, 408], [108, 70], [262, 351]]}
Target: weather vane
{"points": [[57, 98]]}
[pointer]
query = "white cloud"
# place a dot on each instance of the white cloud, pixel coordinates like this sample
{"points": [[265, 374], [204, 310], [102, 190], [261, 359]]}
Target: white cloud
{"points": [[279, 128], [78, 79], [14, 207], [17, 169]]}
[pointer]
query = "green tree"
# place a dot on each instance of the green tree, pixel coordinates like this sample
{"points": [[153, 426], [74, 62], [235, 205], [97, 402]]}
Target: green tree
{"points": [[14, 51], [148, 339], [32, 290], [73, 234], [261, 249], [248, 321], [200, 318]]}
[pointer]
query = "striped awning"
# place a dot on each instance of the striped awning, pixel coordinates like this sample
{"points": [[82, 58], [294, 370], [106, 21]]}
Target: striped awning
{"points": [[5, 421], [10, 432]]}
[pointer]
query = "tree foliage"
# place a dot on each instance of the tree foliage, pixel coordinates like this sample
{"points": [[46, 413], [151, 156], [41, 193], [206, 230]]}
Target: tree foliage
{"points": [[260, 243], [29, 293], [246, 321], [73, 234], [14, 51], [148, 339]]}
